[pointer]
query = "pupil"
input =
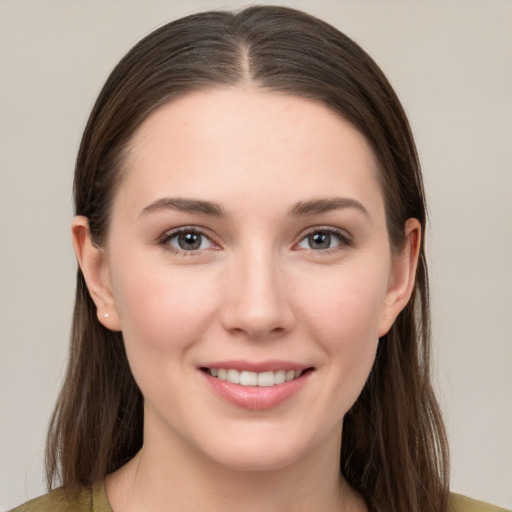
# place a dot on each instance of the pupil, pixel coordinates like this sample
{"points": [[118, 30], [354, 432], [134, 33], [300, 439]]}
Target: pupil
{"points": [[189, 241], [320, 241]]}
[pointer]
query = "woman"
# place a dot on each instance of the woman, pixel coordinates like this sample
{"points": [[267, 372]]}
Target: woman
{"points": [[251, 325]]}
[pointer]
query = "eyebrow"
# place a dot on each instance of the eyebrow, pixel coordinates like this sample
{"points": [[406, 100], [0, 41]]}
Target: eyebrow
{"points": [[185, 205], [316, 206], [301, 209]]}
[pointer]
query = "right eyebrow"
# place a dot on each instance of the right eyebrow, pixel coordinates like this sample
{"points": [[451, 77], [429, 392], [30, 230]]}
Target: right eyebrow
{"points": [[185, 205]]}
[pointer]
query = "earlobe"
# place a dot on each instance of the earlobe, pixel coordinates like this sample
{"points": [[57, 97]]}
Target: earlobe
{"points": [[402, 277], [93, 265]]}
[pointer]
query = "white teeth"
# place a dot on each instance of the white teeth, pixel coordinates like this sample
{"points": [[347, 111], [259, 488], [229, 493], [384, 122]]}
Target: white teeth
{"points": [[279, 377], [263, 379], [233, 376], [248, 378], [266, 379]]}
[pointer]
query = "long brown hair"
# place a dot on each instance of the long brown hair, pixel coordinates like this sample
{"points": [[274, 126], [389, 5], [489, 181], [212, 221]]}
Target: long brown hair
{"points": [[394, 450]]}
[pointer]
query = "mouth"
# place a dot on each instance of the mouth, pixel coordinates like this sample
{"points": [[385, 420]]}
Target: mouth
{"points": [[256, 385], [258, 379]]}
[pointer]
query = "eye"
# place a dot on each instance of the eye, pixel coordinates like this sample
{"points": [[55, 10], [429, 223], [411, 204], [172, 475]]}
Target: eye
{"points": [[324, 239], [188, 240]]}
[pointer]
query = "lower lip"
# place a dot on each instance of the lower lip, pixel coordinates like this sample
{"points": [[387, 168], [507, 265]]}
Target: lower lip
{"points": [[256, 397]]}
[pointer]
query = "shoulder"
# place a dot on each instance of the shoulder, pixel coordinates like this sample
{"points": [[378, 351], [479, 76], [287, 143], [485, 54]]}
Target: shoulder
{"points": [[459, 503], [82, 500], [58, 501]]}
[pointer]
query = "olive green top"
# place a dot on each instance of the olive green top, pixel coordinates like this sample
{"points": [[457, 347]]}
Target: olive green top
{"points": [[95, 500], [84, 500]]}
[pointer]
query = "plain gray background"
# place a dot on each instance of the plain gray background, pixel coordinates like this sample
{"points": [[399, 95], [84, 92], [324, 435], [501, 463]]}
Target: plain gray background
{"points": [[450, 62]]}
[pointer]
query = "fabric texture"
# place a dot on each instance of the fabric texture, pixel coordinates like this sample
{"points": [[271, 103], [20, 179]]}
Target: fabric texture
{"points": [[459, 503], [84, 500], [95, 500]]}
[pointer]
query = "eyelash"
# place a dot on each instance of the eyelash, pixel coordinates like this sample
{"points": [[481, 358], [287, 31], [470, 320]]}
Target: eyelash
{"points": [[344, 241]]}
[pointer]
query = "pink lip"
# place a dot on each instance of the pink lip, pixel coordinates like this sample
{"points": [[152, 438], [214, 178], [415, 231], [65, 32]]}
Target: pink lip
{"points": [[255, 397], [253, 366]]}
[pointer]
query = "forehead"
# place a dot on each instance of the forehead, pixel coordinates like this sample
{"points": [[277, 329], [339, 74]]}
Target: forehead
{"points": [[218, 141]]}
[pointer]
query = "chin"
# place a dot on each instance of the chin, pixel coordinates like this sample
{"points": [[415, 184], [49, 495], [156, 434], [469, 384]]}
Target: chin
{"points": [[259, 460], [268, 451]]}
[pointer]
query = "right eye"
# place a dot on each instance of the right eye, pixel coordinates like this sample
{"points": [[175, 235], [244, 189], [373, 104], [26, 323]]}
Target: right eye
{"points": [[188, 240]]}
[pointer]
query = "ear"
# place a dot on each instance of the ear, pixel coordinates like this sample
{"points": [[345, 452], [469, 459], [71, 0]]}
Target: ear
{"points": [[94, 267], [402, 277]]}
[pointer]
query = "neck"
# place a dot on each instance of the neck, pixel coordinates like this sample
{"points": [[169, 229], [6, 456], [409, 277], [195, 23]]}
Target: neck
{"points": [[169, 476]]}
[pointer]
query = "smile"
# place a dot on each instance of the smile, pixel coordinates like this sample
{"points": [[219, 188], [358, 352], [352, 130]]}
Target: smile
{"points": [[247, 378]]}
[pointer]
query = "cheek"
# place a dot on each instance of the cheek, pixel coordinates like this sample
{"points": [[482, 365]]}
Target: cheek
{"points": [[163, 316], [348, 330], [344, 319], [162, 311], [346, 303]]}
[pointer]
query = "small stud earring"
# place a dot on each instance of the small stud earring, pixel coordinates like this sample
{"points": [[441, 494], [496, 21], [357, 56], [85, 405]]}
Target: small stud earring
{"points": [[106, 315]]}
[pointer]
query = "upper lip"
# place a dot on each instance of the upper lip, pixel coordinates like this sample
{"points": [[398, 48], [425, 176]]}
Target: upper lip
{"points": [[256, 366]]}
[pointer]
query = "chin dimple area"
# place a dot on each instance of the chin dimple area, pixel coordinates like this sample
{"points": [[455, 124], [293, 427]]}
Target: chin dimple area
{"points": [[261, 379]]}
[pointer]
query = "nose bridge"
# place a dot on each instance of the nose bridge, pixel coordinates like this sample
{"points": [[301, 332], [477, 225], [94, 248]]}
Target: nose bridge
{"points": [[257, 293]]}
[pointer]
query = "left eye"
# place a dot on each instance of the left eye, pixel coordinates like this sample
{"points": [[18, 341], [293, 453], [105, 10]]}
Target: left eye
{"points": [[189, 241], [320, 241]]}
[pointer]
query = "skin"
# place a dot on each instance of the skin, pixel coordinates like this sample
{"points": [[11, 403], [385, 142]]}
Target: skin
{"points": [[258, 289]]}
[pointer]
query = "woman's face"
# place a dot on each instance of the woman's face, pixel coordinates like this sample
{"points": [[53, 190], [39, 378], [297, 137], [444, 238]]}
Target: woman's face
{"points": [[248, 242]]}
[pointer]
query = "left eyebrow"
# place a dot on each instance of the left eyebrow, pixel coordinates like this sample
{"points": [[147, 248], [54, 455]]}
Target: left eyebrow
{"points": [[316, 206]]}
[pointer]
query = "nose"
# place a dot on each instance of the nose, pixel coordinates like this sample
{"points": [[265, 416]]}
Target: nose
{"points": [[256, 299]]}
